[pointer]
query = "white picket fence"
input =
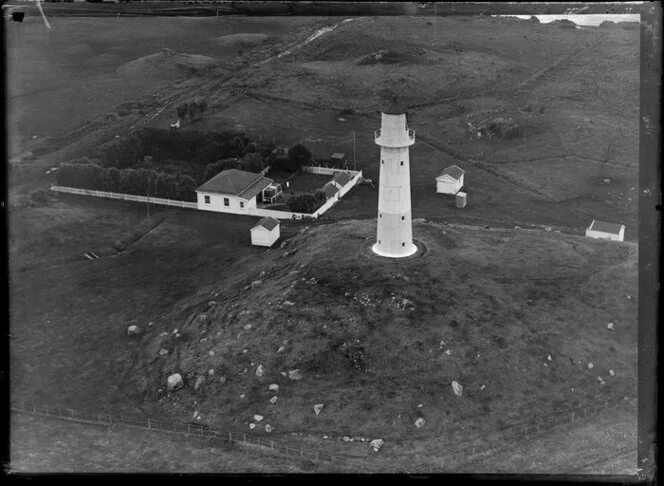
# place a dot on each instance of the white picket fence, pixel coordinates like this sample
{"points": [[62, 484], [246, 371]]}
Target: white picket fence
{"points": [[125, 197], [357, 175]]}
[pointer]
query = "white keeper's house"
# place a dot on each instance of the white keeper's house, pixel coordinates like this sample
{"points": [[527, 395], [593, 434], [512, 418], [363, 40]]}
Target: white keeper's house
{"points": [[232, 191], [606, 231], [266, 232], [450, 181]]}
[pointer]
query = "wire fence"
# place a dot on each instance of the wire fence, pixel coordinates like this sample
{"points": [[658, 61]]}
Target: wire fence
{"points": [[454, 451]]}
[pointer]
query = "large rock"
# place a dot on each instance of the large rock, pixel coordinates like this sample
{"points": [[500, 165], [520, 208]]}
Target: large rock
{"points": [[458, 389], [133, 330], [419, 423], [199, 381], [258, 418], [274, 387], [294, 375], [260, 371], [376, 444], [175, 382], [318, 408], [268, 428]]}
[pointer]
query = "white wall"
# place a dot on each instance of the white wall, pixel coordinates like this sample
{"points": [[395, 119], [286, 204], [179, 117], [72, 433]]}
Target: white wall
{"points": [[262, 237], [125, 197], [606, 236], [448, 186], [217, 203]]}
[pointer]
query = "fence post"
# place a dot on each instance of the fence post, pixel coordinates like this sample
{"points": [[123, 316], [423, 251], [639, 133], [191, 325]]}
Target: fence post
{"points": [[526, 427], [149, 427], [230, 436], [244, 437], [301, 452], [188, 429], [316, 455], [572, 415], [286, 449], [538, 426], [272, 444], [59, 412]]}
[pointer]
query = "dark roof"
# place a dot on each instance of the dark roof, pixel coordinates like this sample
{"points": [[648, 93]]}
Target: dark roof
{"points": [[268, 222], [612, 228], [395, 108], [453, 171], [236, 183], [330, 189], [341, 178]]}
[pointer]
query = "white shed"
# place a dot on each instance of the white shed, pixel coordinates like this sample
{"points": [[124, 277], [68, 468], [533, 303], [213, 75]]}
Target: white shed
{"points": [[606, 231], [450, 181], [266, 232]]}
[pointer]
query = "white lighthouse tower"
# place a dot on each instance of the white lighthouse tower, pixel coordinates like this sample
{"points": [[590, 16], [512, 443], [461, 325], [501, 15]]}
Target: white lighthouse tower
{"points": [[395, 231]]}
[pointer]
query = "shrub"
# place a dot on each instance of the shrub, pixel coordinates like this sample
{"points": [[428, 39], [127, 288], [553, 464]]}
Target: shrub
{"points": [[299, 154], [39, 196], [252, 162], [306, 203]]}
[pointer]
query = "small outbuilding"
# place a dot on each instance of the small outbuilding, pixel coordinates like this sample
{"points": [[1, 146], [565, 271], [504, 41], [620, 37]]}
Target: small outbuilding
{"points": [[330, 190], [461, 200], [606, 231], [450, 181], [340, 179], [266, 232], [338, 160]]}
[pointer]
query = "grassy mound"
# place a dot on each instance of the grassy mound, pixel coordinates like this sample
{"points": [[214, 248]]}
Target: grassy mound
{"points": [[167, 64], [374, 339], [407, 55], [239, 41]]}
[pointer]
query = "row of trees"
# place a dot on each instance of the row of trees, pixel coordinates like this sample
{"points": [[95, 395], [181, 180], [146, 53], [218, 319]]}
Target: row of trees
{"points": [[142, 182], [194, 109]]}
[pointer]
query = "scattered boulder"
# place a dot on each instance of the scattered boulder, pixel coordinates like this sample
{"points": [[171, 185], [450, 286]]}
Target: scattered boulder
{"points": [[284, 374], [376, 444], [211, 372], [262, 274], [346, 438], [601, 381], [289, 303], [175, 382], [458, 389], [549, 358], [609, 326], [548, 228], [196, 415], [273, 400], [294, 375], [246, 327], [199, 381], [133, 330], [281, 349], [590, 366], [211, 353], [252, 426], [419, 423], [222, 380], [163, 352], [256, 283], [612, 373], [318, 408], [258, 418], [448, 352], [482, 387], [268, 428], [274, 387]]}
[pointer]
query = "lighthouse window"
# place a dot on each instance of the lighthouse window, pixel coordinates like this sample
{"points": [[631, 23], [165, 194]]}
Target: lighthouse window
{"points": [[402, 218], [379, 242], [382, 161], [402, 162], [403, 244], [380, 215]]}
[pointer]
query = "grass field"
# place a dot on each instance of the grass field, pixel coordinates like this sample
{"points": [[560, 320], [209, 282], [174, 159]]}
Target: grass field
{"points": [[500, 300]]}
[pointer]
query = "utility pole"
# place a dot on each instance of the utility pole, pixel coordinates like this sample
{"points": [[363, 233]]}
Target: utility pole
{"points": [[354, 159]]}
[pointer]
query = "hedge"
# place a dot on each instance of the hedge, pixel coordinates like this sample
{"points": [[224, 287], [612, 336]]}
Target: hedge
{"points": [[141, 182]]}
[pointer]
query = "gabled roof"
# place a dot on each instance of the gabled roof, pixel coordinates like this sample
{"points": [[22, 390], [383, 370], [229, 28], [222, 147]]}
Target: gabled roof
{"points": [[612, 228], [454, 171], [268, 222], [341, 178], [330, 189], [235, 182]]}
